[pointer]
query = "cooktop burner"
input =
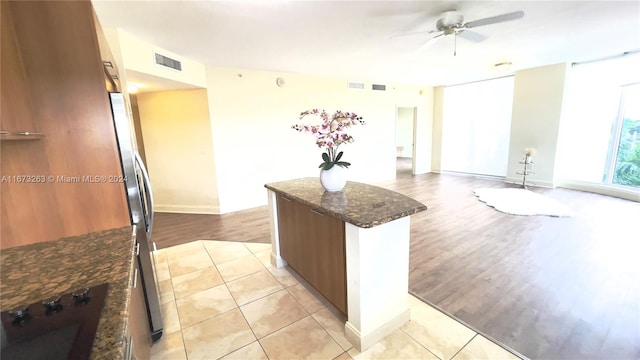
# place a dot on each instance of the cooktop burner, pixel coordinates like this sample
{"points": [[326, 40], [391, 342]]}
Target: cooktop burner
{"points": [[60, 327]]}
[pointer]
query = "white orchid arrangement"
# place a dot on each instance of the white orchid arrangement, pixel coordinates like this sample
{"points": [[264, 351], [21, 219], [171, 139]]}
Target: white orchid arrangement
{"points": [[528, 154], [330, 134]]}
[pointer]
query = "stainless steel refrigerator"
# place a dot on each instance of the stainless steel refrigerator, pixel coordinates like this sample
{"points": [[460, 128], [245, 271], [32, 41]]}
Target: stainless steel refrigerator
{"points": [[140, 201]]}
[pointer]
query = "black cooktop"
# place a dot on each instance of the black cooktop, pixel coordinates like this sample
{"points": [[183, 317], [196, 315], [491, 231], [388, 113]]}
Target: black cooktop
{"points": [[61, 327]]}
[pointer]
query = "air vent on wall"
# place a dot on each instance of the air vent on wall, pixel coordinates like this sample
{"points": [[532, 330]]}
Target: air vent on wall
{"points": [[378, 87], [168, 62], [354, 85]]}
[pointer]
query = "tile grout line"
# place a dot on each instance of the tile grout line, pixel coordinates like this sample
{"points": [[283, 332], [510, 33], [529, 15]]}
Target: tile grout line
{"points": [[420, 343], [226, 284], [257, 340], [245, 318], [235, 301], [283, 289], [175, 301], [309, 313], [327, 332], [497, 343], [468, 342], [164, 335]]}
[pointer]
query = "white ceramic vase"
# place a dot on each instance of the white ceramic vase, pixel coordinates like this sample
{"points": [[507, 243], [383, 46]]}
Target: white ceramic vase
{"points": [[333, 179]]}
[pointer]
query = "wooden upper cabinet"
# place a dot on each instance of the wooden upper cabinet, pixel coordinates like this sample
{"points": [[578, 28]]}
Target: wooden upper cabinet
{"points": [[56, 77], [17, 118]]}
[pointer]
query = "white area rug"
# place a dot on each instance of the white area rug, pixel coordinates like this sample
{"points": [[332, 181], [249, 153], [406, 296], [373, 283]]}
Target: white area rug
{"points": [[521, 202]]}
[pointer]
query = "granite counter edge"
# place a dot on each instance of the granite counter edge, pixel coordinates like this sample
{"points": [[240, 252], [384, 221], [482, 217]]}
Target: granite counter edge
{"points": [[362, 224]]}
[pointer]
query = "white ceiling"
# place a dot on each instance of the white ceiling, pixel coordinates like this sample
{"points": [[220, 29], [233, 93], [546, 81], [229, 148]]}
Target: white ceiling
{"points": [[354, 39]]}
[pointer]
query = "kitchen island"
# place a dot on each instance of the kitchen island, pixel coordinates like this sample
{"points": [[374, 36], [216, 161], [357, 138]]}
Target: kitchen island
{"points": [[39, 271], [352, 246]]}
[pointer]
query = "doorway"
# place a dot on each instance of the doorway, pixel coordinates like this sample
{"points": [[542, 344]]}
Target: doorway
{"points": [[405, 140]]}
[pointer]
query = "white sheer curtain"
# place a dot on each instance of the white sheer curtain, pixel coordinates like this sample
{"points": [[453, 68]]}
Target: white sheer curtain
{"points": [[592, 102], [476, 127]]}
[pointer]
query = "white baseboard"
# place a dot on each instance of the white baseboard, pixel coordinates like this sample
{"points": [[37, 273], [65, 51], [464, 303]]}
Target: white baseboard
{"points": [[187, 209], [278, 261], [530, 182], [479, 176], [628, 194], [365, 341]]}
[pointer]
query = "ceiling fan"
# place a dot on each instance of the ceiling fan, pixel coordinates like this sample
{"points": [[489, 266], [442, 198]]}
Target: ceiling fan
{"points": [[452, 23]]}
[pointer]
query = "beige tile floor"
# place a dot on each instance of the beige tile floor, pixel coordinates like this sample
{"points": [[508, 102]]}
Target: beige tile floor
{"points": [[224, 300]]}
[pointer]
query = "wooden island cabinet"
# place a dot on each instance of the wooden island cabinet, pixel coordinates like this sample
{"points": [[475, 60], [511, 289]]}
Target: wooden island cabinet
{"points": [[313, 244], [352, 246]]}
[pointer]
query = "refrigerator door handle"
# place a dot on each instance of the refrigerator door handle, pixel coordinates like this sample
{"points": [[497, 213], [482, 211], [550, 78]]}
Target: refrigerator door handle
{"points": [[147, 192]]}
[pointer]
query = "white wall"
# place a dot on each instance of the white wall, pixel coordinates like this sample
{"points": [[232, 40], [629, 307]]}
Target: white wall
{"points": [[404, 132], [423, 131], [537, 110], [251, 119], [438, 114], [179, 150]]}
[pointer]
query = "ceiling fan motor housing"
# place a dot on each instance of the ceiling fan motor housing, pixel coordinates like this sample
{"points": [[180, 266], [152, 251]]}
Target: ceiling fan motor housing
{"points": [[449, 20]]}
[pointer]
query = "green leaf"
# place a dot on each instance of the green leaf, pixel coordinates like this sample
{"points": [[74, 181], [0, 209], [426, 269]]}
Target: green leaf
{"points": [[326, 158], [339, 156], [344, 164], [327, 166]]}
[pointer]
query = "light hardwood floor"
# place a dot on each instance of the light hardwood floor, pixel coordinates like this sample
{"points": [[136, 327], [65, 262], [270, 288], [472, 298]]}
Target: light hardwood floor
{"points": [[549, 288]]}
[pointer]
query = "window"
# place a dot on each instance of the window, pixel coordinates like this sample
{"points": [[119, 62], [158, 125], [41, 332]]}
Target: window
{"points": [[476, 127], [600, 133], [625, 143]]}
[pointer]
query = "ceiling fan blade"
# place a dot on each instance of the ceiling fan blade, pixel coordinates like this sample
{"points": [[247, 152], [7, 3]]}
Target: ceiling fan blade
{"points": [[471, 35], [430, 41], [494, 19], [437, 36]]}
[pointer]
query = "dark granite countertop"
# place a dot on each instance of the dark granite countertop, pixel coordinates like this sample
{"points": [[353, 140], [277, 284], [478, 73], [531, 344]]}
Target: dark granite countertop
{"points": [[35, 272], [359, 204]]}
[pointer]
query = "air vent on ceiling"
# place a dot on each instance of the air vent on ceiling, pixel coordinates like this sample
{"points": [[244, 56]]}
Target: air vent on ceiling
{"points": [[168, 62], [378, 87], [355, 85]]}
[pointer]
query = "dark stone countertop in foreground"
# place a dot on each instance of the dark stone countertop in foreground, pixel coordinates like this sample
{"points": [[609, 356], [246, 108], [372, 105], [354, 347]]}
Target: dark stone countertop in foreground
{"points": [[359, 204], [35, 272]]}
